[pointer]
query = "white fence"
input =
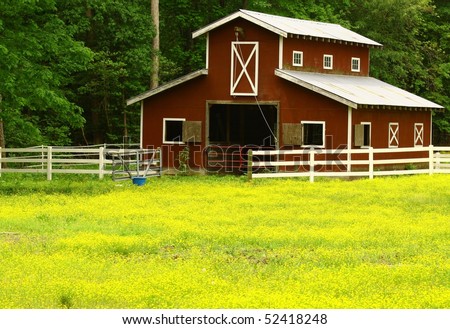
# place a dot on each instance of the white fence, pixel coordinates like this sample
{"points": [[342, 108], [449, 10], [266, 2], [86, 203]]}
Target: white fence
{"points": [[367, 162], [65, 160]]}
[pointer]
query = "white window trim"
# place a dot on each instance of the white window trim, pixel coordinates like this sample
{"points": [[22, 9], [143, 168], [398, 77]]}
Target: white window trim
{"points": [[295, 52], [323, 133], [418, 134], [393, 138], [359, 64], [164, 131], [331, 62], [370, 134]]}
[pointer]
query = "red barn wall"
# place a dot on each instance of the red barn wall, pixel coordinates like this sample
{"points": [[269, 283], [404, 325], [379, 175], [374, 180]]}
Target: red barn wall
{"points": [[313, 52], [189, 100]]}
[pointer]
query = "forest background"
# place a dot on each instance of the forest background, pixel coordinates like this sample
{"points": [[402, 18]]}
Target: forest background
{"points": [[67, 67]]}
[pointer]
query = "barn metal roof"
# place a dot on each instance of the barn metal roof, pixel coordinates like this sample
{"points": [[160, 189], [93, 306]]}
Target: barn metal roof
{"points": [[286, 26], [166, 86], [357, 91]]}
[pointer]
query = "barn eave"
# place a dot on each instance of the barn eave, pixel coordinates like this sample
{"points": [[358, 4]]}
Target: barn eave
{"points": [[167, 86]]}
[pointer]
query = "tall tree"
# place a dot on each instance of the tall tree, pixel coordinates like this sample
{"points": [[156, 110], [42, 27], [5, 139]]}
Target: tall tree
{"points": [[155, 58], [435, 34], [119, 33], [39, 58]]}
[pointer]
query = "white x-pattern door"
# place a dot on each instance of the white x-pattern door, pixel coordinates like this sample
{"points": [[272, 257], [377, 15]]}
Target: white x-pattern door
{"points": [[393, 134], [244, 68], [418, 134]]}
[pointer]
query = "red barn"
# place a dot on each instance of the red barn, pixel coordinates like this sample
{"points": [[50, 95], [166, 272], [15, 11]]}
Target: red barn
{"points": [[277, 82]]}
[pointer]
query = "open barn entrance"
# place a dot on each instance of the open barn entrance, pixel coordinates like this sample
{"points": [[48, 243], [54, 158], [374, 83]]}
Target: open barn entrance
{"points": [[233, 129]]}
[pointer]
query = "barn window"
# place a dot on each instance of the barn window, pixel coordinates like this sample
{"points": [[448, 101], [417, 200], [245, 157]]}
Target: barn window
{"points": [[393, 134], [173, 130], [418, 134], [362, 134], [328, 62], [297, 59], [356, 64], [313, 133]]}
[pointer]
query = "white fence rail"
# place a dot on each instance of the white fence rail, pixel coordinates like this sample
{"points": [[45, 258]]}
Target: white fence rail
{"points": [[367, 162], [65, 160]]}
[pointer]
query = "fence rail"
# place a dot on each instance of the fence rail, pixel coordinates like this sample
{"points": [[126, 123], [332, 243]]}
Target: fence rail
{"points": [[367, 162], [69, 160]]}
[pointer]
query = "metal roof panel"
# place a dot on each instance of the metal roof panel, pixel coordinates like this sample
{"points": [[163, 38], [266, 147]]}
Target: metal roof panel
{"points": [[286, 25], [358, 90], [311, 28], [166, 86]]}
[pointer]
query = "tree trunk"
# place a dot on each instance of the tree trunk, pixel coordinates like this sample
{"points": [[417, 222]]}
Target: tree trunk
{"points": [[155, 57], [2, 131], [2, 135]]}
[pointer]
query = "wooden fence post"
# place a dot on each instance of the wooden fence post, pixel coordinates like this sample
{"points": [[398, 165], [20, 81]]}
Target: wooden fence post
{"points": [[101, 162], [249, 164], [0, 161], [311, 165], [49, 163], [438, 160], [431, 159], [159, 150], [370, 162], [42, 157]]}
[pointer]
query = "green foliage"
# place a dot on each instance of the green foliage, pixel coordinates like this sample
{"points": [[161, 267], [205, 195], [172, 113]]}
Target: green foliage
{"points": [[68, 65], [119, 33], [222, 242], [183, 160], [39, 58]]}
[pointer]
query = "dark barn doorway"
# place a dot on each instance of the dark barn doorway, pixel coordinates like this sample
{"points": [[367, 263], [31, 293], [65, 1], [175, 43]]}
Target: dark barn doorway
{"points": [[233, 129], [243, 124]]}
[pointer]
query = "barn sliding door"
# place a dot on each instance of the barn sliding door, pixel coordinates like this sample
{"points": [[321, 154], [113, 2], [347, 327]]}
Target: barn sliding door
{"points": [[244, 68]]}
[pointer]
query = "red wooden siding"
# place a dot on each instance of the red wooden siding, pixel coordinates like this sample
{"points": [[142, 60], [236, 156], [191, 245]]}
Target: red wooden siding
{"points": [[313, 52]]}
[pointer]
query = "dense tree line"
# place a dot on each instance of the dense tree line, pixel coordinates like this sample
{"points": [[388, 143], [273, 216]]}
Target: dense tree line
{"points": [[67, 67]]}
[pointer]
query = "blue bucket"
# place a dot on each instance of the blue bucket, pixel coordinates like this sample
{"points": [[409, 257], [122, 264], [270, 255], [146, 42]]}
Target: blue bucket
{"points": [[139, 181]]}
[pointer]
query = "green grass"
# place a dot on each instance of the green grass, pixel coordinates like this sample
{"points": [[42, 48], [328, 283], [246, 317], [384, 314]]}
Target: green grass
{"points": [[223, 242]]}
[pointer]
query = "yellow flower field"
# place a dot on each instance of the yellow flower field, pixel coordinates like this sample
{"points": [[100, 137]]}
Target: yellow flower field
{"points": [[223, 242]]}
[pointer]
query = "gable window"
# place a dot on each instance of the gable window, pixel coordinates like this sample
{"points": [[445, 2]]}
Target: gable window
{"points": [[362, 134], [297, 58], [173, 130], [313, 133], [328, 62], [356, 64], [418, 134], [393, 134]]}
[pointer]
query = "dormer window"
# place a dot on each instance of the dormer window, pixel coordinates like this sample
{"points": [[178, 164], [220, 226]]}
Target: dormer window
{"points": [[328, 62], [356, 64], [297, 58]]}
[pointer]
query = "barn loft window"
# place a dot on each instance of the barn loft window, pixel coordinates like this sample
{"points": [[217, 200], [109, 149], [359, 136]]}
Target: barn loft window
{"points": [[173, 130], [393, 134], [313, 133], [418, 134], [328, 62], [362, 134], [356, 64], [297, 59]]}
